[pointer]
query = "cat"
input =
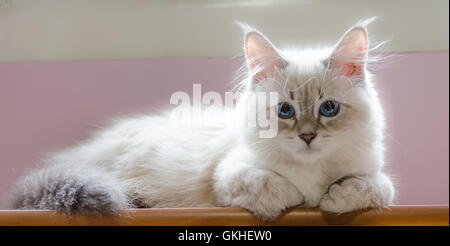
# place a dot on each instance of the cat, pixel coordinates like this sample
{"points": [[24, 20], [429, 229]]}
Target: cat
{"points": [[328, 151]]}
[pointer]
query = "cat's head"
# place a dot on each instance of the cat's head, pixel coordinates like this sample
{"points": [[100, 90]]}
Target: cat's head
{"points": [[326, 102]]}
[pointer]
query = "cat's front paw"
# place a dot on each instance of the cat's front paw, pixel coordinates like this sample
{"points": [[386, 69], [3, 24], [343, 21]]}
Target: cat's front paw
{"points": [[262, 192], [269, 196], [357, 193], [342, 197]]}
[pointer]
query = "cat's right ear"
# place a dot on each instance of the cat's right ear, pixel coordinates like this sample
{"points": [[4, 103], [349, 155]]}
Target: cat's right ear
{"points": [[263, 59], [349, 57]]}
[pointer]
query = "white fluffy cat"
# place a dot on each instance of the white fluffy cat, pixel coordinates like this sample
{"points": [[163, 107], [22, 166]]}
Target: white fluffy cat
{"points": [[328, 151]]}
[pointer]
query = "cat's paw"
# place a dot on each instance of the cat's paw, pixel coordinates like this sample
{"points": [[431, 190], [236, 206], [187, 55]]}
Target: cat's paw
{"points": [[270, 202], [358, 192], [262, 192], [265, 214], [351, 194]]}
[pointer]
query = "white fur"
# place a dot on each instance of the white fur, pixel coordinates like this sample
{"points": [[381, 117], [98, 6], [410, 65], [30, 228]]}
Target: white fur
{"points": [[203, 167]]}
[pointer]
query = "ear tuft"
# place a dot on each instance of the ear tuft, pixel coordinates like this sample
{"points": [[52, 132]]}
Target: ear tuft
{"points": [[261, 56], [350, 55]]}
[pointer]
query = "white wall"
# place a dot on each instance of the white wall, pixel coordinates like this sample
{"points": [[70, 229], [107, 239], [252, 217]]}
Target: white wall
{"points": [[112, 29]]}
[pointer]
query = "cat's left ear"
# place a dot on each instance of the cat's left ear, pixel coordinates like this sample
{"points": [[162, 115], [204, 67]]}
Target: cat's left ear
{"points": [[350, 54]]}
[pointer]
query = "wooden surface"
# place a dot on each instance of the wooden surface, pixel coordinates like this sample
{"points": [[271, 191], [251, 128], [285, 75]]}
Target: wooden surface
{"points": [[393, 216]]}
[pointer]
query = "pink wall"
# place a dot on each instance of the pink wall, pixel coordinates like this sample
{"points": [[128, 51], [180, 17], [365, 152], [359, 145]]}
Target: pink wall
{"points": [[47, 105]]}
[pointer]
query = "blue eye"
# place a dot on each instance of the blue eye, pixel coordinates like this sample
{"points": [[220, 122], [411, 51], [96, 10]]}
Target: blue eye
{"points": [[329, 108], [285, 111]]}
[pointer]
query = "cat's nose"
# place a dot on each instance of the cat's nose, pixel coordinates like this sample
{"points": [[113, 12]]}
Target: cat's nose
{"points": [[308, 137]]}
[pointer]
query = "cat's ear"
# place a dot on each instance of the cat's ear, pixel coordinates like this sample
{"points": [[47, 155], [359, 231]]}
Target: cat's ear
{"points": [[350, 54], [263, 59]]}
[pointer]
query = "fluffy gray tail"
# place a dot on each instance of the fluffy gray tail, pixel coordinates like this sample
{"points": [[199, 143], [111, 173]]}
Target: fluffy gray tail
{"points": [[68, 190]]}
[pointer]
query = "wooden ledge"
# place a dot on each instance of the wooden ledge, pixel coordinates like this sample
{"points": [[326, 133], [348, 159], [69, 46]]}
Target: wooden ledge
{"points": [[393, 216]]}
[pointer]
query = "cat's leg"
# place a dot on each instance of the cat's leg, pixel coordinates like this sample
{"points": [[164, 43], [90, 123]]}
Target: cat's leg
{"points": [[70, 190], [265, 193], [358, 192]]}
